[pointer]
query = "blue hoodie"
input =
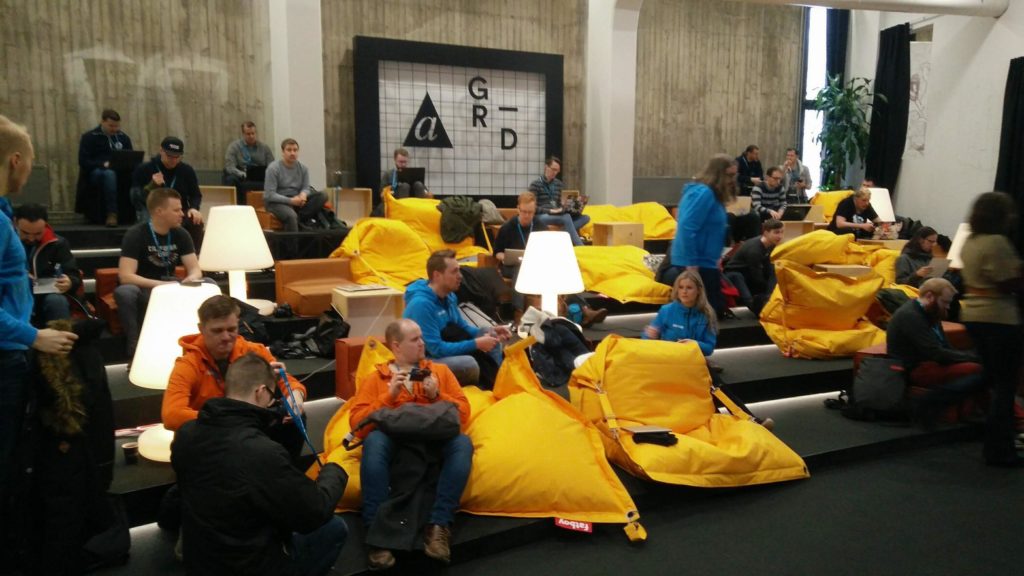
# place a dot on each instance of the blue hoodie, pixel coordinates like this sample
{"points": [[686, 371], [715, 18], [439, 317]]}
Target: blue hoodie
{"points": [[700, 234], [15, 288], [677, 322], [423, 306]]}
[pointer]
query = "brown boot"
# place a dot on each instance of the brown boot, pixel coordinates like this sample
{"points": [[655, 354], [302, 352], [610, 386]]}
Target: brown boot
{"points": [[111, 220], [380, 559], [591, 316], [437, 543]]}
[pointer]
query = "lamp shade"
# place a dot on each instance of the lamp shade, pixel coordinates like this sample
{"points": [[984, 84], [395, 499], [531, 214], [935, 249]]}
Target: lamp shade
{"points": [[171, 314], [234, 241], [549, 268], [882, 203]]}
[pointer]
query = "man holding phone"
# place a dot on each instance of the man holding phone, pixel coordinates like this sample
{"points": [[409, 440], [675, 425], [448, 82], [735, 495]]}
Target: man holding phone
{"points": [[410, 378], [796, 178]]}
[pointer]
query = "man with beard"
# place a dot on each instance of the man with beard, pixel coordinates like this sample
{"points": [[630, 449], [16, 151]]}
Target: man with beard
{"points": [[915, 336]]}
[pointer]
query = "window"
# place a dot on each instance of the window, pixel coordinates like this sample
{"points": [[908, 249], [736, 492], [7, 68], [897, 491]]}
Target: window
{"points": [[816, 48]]}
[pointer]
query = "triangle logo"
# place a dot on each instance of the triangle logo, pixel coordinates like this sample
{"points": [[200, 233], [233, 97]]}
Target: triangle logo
{"points": [[427, 130]]}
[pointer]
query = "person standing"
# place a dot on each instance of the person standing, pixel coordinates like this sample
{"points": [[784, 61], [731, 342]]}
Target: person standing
{"points": [[700, 233], [992, 275], [16, 333]]}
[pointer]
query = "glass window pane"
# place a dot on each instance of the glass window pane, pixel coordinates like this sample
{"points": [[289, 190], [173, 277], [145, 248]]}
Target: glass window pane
{"points": [[810, 153], [816, 49]]}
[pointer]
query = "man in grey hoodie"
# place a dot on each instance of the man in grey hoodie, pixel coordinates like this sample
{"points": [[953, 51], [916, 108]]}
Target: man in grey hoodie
{"points": [[433, 305], [286, 191]]}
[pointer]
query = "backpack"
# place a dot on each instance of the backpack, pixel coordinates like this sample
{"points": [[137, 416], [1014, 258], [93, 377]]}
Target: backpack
{"points": [[329, 327], [460, 217], [485, 288], [250, 323], [878, 392]]}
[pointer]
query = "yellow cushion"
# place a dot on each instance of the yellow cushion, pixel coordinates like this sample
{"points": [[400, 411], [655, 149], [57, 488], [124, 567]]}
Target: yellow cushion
{"points": [[423, 217], [829, 201], [818, 247], [384, 251], [658, 223], [619, 272], [667, 384], [883, 262], [817, 315]]}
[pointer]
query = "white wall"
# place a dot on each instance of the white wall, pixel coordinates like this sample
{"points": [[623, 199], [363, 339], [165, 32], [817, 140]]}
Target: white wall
{"points": [[970, 61]]}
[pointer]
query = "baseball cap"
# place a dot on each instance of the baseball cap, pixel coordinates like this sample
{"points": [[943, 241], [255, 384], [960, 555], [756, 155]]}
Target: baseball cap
{"points": [[173, 145]]}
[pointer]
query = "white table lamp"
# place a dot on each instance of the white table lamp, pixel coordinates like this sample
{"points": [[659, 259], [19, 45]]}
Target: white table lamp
{"points": [[549, 268], [881, 201], [234, 243], [171, 314]]}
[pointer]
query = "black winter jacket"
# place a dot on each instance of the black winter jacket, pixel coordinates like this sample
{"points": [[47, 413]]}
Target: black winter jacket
{"points": [[52, 250], [95, 148], [911, 338], [241, 496]]}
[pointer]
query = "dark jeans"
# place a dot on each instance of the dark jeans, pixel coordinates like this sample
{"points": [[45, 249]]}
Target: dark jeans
{"points": [[753, 301], [241, 185], [290, 216], [132, 302], [315, 553], [50, 307], [105, 181], [375, 476], [1000, 347], [403, 190], [13, 389], [944, 385]]}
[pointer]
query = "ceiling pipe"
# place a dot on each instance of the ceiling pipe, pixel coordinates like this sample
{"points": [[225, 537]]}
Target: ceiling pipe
{"points": [[990, 8]]}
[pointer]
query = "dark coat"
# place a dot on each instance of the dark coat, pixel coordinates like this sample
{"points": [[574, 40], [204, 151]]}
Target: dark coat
{"points": [[242, 498], [53, 250], [415, 468], [912, 339]]}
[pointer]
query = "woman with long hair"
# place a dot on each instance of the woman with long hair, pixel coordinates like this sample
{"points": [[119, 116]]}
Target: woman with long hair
{"points": [[690, 318], [992, 276], [913, 265], [700, 233]]}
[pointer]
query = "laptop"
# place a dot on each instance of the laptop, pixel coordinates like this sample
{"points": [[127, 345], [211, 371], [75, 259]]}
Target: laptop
{"points": [[126, 160], [513, 257], [796, 213], [255, 173], [411, 175]]}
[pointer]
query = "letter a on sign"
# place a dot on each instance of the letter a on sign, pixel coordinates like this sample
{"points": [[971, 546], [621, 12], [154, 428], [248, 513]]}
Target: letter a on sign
{"points": [[427, 131]]}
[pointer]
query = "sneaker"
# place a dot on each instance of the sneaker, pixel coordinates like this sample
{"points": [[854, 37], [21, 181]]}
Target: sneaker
{"points": [[768, 423], [111, 220], [437, 543], [380, 559]]}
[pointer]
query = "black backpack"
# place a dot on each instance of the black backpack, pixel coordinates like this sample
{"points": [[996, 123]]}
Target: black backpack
{"points": [[485, 288], [553, 361]]}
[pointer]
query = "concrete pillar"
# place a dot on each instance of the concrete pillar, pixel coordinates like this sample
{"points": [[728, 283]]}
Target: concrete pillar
{"points": [[611, 100], [296, 82]]}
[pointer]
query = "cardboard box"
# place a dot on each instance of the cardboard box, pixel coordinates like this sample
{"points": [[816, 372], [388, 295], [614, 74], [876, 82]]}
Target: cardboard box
{"points": [[618, 234], [368, 312]]}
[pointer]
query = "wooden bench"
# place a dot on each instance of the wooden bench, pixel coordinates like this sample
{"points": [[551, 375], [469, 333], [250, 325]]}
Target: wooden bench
{"points": [[306, 284], [267, 220]]}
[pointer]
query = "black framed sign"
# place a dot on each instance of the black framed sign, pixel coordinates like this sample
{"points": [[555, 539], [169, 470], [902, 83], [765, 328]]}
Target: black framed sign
{"points": [[480, 121]]}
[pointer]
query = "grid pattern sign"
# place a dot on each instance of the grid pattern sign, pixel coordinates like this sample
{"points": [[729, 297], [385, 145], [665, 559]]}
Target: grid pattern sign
{"points": [[477, 132]]}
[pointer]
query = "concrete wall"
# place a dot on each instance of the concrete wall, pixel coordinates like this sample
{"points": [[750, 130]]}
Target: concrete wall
{"points": [[191, 68], [715, 76], [970, 61]]}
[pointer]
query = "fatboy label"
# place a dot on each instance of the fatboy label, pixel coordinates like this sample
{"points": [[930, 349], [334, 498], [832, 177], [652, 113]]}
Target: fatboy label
{"points": [[574, 525]]}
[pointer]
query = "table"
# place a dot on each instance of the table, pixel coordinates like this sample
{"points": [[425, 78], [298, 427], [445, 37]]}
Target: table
{"points": [[368, 312]]}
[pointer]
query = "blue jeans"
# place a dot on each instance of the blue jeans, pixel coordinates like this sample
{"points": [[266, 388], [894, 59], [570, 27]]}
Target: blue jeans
{"points": [[105, 180], [51, 307], [465, 367], [13, 383], [568, 223], [314, 554], [132, 302], [375, 476]]}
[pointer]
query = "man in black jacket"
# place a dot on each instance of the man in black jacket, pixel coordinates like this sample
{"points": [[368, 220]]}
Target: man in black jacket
{"points": [[168, 170], [751, 270], [51, 265], [246, 509], [915, 336], [94, 151]]}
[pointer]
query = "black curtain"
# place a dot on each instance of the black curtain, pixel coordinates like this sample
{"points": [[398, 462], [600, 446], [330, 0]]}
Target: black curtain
{"points": [[1010, 169], [837, 30], [889, 116]]}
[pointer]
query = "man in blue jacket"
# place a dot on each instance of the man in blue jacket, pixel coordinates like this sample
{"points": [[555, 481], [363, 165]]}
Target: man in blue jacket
{"points": [[16, 333], [94, 151], [449, 339]]}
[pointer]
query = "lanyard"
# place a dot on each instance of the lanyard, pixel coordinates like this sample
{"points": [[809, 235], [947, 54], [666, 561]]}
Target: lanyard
{"points": [[246, 156], [173, 180], [394, 180], [519, 225], [114, 144], [165, 257]]}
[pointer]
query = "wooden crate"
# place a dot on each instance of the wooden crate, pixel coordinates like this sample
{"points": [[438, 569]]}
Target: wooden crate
{"points": [[618, 234]]}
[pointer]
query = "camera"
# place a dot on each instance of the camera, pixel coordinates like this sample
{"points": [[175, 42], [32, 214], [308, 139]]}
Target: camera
{"points": [[418, 374]]}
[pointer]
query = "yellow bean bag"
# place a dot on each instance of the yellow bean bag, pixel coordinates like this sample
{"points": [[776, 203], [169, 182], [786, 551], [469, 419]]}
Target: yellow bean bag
{"points": [[630, 382], [423, 217], [829, 201], [818, 247], [384, 251], [619, 272], [818, 315], [534, 456], [658, 223]]}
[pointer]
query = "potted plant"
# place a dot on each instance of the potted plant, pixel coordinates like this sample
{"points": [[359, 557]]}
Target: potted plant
{"points": [[844, 132]]}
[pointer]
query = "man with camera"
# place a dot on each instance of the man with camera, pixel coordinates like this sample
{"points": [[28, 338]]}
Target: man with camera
{"points": [[409, 378], [150, 252], [247, 509]]}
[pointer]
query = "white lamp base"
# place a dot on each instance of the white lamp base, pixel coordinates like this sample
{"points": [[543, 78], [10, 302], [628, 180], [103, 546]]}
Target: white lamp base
{"points": [[549, 303], [155, 444]]}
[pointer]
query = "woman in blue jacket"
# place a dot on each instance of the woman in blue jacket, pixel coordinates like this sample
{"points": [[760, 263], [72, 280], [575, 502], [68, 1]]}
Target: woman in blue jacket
{"points": [[689, 317], [700, 233]]}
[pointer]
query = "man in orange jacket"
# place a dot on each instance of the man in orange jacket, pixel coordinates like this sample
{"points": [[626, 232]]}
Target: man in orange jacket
{"points": [[198, 373], [390, 386]]}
